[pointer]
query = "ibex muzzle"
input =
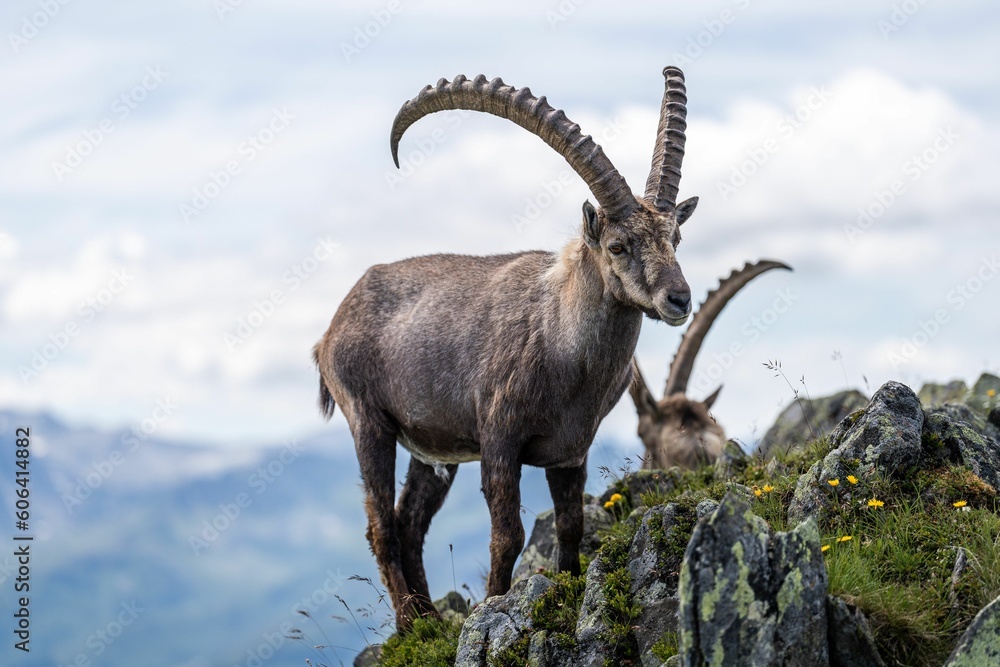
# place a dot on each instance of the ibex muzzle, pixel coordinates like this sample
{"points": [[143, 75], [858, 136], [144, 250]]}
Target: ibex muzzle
{"points": [[509, 359]]}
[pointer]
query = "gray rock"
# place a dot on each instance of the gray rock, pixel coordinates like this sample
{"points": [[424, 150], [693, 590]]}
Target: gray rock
{"points": [[540, 551], [750, 598], [806, 420], [935, 394], [370, 657], [957, 571], [453, 607], [850, 636], [499, 622], [956, 433], [655, 558], [887, 437], [980, 645], [732, 461], [591, 650], [994, 416], [979, 398], [706, 507]]}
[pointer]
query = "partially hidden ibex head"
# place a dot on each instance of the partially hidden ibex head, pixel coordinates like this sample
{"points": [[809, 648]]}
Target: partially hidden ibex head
{"points": [[632, 238], [676, 430]]}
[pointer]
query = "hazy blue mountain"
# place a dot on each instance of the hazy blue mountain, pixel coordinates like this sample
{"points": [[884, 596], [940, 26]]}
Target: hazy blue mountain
{"points": [[128, 568]]}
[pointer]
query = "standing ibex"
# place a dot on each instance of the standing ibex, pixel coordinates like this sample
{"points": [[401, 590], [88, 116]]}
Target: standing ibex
{"points": [[510, 359], [676, 430]]}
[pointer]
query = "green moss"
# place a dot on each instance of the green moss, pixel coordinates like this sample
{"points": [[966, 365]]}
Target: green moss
{"points": [[667, 647], [516, 655], [558, 609], [429, 643]]}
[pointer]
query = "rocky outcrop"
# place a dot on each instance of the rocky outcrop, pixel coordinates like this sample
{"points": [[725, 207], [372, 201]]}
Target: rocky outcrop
{"points": [[453, 607], [963, 436], [655, 559], [806, 420], [539, 553], [980, 645], [850, 637], [937, 394], [895, 435], [499, 622], [751, 598], [985, 394]]}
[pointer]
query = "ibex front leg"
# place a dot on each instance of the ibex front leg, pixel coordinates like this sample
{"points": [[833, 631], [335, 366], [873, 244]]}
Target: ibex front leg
{"points": [[501, 486], [566, 486]]}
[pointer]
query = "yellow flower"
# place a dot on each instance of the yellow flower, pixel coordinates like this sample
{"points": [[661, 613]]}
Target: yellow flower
{"points": [[852, 479], [757, 492], [960, 503], [608, 505], [875, 503], [845, 538], [991, 392], [833, 482], [825, 547], [615, 497], [768, 488]]}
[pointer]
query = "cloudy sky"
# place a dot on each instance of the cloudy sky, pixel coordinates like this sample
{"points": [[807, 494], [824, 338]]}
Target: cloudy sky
{"points": [[189, 189]]}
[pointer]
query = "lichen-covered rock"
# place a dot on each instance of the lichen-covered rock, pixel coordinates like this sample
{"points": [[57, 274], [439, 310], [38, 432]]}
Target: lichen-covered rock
{"points": [[985, 394], [540, 551], [453, 607], [980, 645], [591, 649], [886, 437], [499, 622], [370, 657], [750, 598], [806, 420], [850, 636], [706, 507], [732, 461], [964, 437], [655, 558], [932, 394]]}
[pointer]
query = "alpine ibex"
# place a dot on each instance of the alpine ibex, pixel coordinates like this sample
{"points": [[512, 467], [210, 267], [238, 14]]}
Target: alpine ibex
{"points": [[676, 430], [509, 359]]}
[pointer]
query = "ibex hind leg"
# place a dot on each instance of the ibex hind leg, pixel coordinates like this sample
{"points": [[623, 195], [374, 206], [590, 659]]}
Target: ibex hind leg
{"points": [[375, 442], [421, 498], [566, 486]]}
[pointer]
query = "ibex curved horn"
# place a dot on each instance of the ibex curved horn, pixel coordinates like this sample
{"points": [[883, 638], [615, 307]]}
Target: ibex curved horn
{"points": [[665, 172], [534, 114], [680, 368]]}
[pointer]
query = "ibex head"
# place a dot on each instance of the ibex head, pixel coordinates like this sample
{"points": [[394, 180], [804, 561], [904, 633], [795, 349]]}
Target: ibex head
{"points": [[631, 238]]}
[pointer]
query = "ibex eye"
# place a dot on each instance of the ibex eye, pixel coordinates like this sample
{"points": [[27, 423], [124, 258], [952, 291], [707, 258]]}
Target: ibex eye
{"points": [[616, 248]]}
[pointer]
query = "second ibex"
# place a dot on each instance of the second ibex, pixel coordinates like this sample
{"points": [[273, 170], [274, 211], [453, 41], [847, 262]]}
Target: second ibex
{"points": [[510, 359]]}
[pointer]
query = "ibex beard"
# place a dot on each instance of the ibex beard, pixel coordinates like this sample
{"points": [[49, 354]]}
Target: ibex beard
{"points": [[510, 360]]}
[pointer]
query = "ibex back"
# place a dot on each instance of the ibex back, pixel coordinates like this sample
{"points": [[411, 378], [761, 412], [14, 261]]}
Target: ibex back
{"points": [[508, 359]]}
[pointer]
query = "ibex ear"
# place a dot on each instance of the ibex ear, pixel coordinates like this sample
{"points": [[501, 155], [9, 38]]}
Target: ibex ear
{"points": [[684, 210], [711, 399], [591, 225]]}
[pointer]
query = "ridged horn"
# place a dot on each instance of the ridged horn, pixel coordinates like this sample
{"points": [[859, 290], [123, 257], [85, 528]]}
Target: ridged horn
{"points": [[535, 115], [665, 172], [680, 368]]}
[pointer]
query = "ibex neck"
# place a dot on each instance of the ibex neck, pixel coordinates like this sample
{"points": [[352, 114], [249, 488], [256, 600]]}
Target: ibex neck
{"points": [[589, 320]]}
